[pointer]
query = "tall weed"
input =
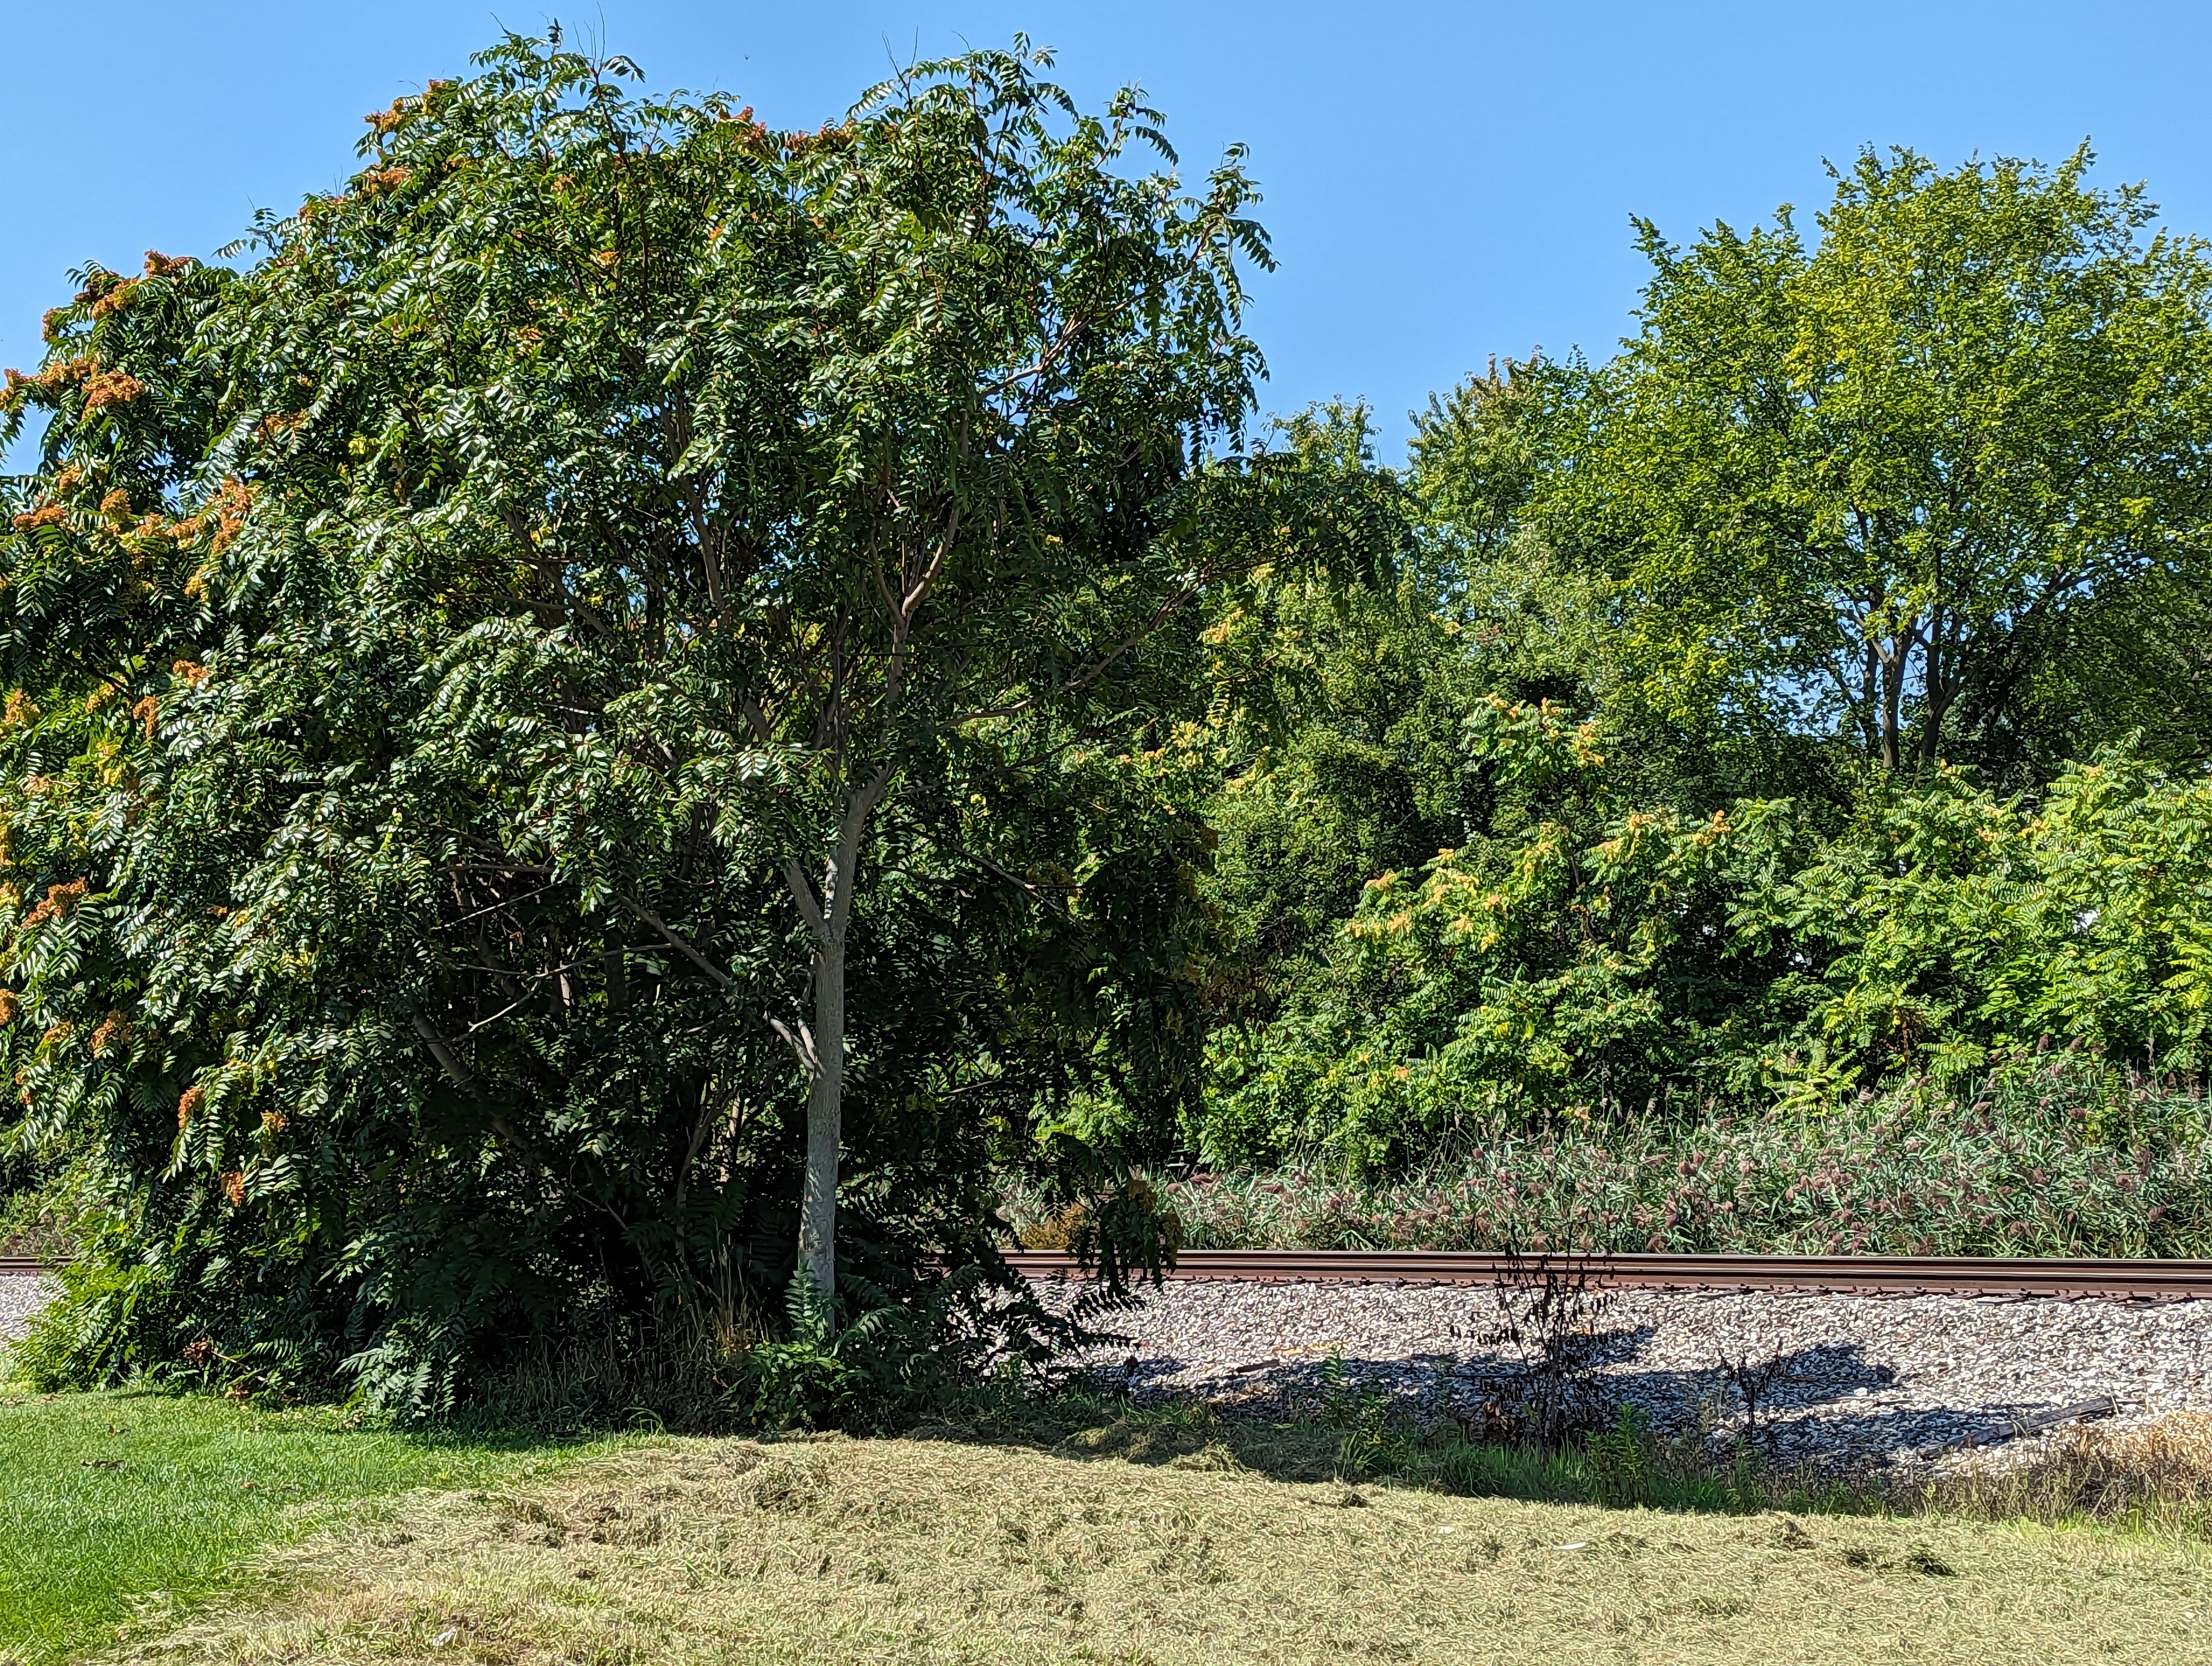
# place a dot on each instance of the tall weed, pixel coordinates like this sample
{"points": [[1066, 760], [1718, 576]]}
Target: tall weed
{"points": [[2058, 1156]]}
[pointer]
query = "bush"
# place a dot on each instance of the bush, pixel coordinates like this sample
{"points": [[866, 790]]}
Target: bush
{"points": [[1607, 966]]}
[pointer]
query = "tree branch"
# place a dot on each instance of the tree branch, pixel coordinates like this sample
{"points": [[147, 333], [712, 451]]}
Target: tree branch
{"points": [[680, 945], [450, 1062]]}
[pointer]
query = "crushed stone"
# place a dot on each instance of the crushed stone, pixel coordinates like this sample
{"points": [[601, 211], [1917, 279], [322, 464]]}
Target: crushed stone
{"points": [[1918, 1382], [20, 1296], [1867, 1382]]}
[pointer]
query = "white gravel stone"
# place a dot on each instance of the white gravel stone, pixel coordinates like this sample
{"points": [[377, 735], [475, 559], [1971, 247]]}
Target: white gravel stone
{"points": [[20, 1296], [1864, 1382]]}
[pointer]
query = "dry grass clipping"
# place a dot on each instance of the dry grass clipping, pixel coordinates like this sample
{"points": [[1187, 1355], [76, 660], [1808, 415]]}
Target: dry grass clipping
{"points": [[2157, 1475], [920, 1551]]}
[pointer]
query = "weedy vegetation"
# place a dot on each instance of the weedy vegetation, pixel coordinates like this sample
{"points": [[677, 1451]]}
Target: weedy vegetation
{"points": [[2060, 1156]]}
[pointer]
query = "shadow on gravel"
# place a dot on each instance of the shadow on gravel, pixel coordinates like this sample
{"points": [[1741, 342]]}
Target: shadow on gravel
{"points": [[1823, 1407]]}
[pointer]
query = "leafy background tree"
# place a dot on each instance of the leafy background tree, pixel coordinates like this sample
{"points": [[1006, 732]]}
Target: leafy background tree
{"points": [[1862, 485], [1785, 652]]}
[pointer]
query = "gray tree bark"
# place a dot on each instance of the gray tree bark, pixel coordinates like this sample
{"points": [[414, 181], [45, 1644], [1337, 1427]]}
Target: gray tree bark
{"points": [[821, 1044], [825, 1118]]}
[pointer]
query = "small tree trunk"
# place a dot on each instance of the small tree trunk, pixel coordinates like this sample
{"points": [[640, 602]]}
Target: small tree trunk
{"points": [[828, 917], [1893, 701], [1941, 686], [825, 1108], [1932, 733]]}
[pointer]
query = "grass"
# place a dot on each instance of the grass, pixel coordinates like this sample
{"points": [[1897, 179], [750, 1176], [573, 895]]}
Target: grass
{"points": [[118, 1508], [2070, 1158], [1155, 1543], [1069, 1529]]}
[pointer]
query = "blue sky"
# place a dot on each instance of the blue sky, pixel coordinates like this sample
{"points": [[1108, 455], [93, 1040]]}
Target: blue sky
{"points": [[1443, 182]]}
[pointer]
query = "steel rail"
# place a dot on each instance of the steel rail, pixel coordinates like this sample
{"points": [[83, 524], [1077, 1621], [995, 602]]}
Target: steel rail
{"points": [[1923, 1275]]}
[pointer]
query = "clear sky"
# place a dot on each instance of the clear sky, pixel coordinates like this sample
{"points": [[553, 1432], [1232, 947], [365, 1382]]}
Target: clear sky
{"points": [[1443, 182]]}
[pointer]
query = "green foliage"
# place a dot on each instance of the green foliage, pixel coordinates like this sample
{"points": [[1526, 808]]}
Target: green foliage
{"points": [[1480, 454], [1739, 958], [1333, 701], [1929, 486], [1880, 486], [591, 667], [639, 712], [820, 1375], [893, 1365], [2050, 1155]]}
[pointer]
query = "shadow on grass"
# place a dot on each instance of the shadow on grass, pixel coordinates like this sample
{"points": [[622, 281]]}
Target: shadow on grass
{"points": [[2154, 1479], [1360, 1438]]}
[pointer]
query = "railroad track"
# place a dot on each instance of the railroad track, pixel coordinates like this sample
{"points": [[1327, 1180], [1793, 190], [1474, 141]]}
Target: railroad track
{"points": [[1904, 1275]]}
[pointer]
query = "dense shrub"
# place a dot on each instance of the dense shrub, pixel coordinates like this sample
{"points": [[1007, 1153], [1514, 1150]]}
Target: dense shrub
{"points": [[1608, 965]]}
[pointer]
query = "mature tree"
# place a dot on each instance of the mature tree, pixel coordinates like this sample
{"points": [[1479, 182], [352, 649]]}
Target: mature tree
{"points": [[1479, 452], [1864, 482], [636, 608]]}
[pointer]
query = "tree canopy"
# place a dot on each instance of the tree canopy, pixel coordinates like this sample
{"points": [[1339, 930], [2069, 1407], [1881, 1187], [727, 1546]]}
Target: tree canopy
{"points": [[1896, 482], [1809, 700], [627, 729], [617, 619]]}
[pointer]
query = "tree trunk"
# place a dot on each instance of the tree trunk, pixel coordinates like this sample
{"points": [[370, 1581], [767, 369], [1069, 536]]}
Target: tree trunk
{"points": [[822, 1049], [825, 1110], [1893, 702], [1931, 729], [1942, 685]]}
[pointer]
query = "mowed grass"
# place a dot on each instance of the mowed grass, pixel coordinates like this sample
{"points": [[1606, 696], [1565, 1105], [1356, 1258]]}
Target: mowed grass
{"points": [[118, 1508], [934, 1550]]}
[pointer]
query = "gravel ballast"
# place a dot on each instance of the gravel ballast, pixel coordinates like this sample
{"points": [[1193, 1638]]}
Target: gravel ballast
{"points": [[20, 1296], [1871, 1383]]}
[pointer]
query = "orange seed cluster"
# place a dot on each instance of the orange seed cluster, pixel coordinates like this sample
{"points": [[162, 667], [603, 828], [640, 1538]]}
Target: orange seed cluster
{"points": [[61, 901], [113, 1028], [116, 299], [111, 387]]}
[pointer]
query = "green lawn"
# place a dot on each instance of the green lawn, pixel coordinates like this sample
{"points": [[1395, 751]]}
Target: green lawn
{"points": [[116, 1505], [946, 1553], [216, 1533]]}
